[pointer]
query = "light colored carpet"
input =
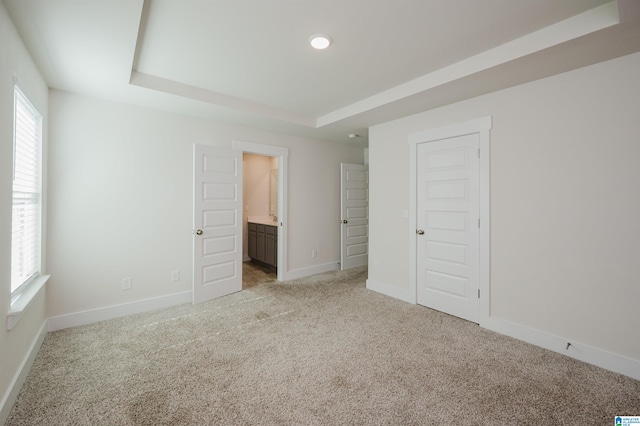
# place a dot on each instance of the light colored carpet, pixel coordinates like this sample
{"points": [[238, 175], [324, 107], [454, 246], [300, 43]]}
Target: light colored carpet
{"points": [[317, 351]]}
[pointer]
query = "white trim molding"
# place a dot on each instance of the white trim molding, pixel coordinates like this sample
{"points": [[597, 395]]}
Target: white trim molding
{"points": [[117, 311], [261, 149], [478, 125], [481, 126], [282, 153], [312, 270], [390, 290], [9, 398], [571, 348], [22, 298]]}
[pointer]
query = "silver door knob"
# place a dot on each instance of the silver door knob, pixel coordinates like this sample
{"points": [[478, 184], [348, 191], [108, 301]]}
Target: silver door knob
{"points": [[345, 221], [419, 231], [199, 232]]}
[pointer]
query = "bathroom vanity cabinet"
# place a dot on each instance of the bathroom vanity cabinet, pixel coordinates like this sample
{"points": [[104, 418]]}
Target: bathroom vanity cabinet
{"points": [[263, 243]]}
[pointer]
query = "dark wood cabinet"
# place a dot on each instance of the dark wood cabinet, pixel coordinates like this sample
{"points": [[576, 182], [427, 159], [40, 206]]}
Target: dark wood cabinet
{"points": [[263, 244], [271, 246], [260, 245], [252, 241]]}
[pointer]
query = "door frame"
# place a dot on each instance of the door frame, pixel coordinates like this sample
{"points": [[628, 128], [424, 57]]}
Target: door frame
{"points": [[481, 126], [282, 154]]}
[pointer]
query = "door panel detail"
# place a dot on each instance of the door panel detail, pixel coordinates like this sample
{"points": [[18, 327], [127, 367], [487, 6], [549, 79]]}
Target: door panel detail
{"points": [[217, 253], [354, 241], [448, 209]]}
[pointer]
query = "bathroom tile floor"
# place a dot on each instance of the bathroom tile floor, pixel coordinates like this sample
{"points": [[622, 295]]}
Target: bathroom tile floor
{"points": [[254, 274]]}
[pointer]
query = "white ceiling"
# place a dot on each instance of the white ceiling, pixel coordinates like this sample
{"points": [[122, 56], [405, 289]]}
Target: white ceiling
{"points": [[249, 61]]}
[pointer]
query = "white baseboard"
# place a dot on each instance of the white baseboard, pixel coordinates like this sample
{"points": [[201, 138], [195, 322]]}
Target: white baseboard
{"points": [[577, 350], [11, 394], [312, 270], [117, 311], [589, 354], [390, 290]]}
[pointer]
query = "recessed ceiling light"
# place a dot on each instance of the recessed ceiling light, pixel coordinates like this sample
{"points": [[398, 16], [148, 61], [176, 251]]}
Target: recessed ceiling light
{"points": [[320, 41]]}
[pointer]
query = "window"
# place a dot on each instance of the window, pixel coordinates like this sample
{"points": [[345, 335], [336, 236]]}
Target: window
{"points": [[25, 220]]}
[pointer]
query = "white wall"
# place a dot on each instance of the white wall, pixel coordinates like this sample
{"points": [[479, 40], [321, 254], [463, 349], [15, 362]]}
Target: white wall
{"points": [[121, 199], [565, 203], [15, 345]]}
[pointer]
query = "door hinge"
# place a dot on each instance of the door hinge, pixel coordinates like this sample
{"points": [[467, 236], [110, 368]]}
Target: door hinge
{"points": [[478, 293], [478, 152]]}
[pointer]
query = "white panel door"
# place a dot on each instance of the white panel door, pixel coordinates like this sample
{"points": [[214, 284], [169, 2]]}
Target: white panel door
{"points": [[354, 182], [217, 222], [448, 213]]}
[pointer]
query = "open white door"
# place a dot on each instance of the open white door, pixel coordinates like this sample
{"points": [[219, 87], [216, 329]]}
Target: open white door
{"points": [[217, 222], [448, 226], [354, 184]]}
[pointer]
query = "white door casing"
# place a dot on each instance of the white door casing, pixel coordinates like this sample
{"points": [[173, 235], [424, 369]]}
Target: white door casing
{"points": [[354, 190], [448, 214], [480, 128], [217, 222], [282, 154]]}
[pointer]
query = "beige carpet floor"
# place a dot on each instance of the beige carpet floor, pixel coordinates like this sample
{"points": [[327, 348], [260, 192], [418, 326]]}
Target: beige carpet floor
{"points": [[317, 351]]}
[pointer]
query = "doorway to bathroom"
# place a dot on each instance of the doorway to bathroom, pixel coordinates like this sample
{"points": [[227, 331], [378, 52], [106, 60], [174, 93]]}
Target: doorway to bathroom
{"points": [[218, 216], [260, 219]]}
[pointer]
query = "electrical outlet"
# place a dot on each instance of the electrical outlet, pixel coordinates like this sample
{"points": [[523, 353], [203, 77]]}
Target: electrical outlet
{"points": [[175, 275], [314, 253], [126, 283]]}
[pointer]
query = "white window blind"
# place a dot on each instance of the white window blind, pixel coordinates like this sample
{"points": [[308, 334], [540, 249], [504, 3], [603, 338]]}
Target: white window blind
{"points": [[25, 220]]}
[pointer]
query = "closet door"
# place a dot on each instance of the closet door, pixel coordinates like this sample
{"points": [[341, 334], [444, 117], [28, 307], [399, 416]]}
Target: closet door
{"points": [[448, 212]]}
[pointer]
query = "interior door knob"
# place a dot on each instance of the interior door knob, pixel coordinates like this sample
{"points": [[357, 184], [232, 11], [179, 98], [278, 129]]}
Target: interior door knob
{"points": [[199, 232], [345, 221], [419, 231]]}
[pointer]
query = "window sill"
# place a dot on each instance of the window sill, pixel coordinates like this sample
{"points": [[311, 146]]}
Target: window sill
{"points": [[23, 298]]}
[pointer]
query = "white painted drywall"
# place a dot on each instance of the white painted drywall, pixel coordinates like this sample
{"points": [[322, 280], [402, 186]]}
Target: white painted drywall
{"points": [[121, 199], [565, 202], [15, 62]]}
